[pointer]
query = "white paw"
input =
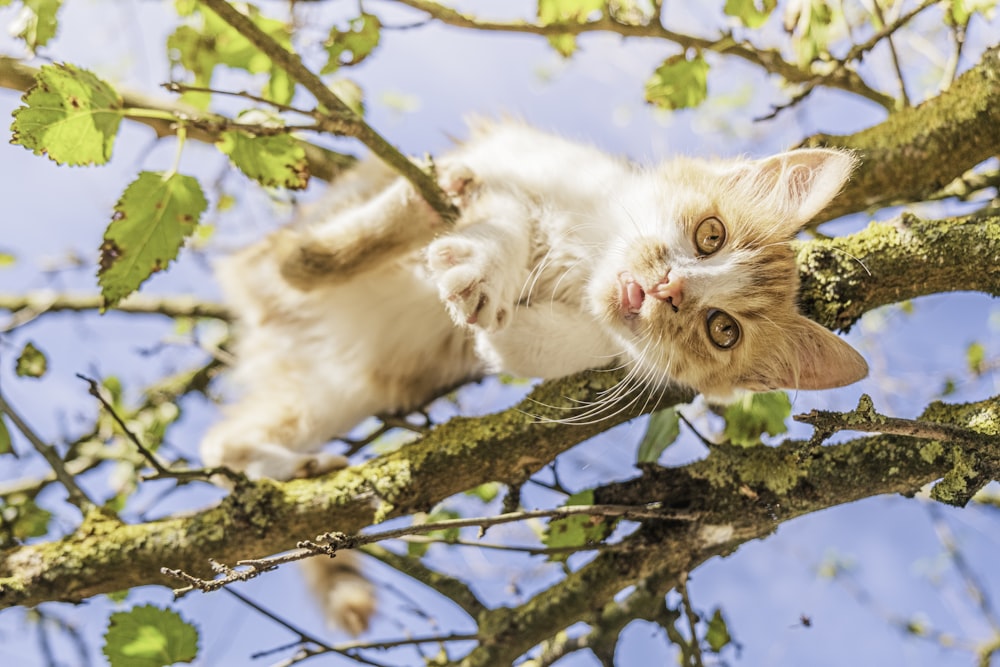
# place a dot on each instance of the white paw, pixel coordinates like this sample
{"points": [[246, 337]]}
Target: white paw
{"points": [[470, 286], [458, 181]]}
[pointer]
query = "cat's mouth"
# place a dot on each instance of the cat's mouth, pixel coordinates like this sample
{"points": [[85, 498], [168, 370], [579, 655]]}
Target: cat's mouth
{"points": [[631, 295]]}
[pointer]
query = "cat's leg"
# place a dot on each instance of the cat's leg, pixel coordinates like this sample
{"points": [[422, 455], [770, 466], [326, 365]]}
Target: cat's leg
{"points": [[276, 430], [481, 269], [548, 340], [394, 221]]}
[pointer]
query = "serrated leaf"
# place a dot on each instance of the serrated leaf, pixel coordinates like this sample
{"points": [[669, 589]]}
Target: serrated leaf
{"points": [[975, 357], [37, 23], [275, 161], [148, 636], [70, 115], [755, 414], [662, 430], [6, 446], [578, 530], [31, 362], [717, 634], [679, 83], [351, 46], [151, 221], [752, 13]]}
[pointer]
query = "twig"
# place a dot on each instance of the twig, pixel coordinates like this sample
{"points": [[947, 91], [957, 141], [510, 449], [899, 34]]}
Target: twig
{"points": [[95, 391], [877, 12], [768, 59], [30, 305], [75, 493], [177, 87], [330, 543], [692, 620], [339, 117], [865, 419]]}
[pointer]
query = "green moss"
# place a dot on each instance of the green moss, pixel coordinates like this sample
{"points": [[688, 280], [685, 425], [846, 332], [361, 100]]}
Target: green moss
{"points": [[931, 451]]}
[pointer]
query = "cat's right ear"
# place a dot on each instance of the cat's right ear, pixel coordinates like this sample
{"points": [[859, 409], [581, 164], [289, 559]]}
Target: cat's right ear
{"points": [[798, 184]]}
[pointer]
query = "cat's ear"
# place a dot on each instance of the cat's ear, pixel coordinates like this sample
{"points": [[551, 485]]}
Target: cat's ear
{"points": [[797, 184], [814, 358]]}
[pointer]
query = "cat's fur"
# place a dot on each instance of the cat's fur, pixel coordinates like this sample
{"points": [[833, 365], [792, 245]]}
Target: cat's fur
{"points": [[563, 259]]}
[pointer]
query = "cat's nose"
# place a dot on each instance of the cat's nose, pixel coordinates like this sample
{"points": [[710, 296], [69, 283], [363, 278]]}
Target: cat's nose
{"points": [[669, 289]]}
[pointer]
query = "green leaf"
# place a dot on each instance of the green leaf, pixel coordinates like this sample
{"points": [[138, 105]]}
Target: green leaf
{"points": [[752, 13], [351, 46], [418, 549], [7, 259], [275, 161], [152, 219], [663, 428], [569, 11], [579, 530], [22, 519], [959, 12], [679, 83], [975, 357], [70, 115], [485, 492], [717, 635], [31, 362], [149, 637], [811, 29], [6, 446], [755, 414], [208, 42], [350, 94], [38, 22]]}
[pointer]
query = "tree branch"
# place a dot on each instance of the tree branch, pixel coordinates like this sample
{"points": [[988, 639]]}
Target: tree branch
{"points": [[323, 163]]}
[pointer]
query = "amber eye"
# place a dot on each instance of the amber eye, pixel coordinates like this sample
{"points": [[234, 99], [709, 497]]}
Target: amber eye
{"points": [[723, 330], [709, 236]]}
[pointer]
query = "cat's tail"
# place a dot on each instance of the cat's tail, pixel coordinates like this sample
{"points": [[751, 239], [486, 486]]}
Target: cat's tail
{"points": [[347, 597]]}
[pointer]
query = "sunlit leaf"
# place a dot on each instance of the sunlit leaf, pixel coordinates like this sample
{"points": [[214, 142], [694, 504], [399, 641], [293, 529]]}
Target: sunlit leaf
{"points": [[351, 46], [578, 530], [151, 221], [662, 430], [959, 12], [207, 42], [275, 161], [31, 362], [147, 636], [755, 414], [69, 115], [22, 519], [37, 23], [810, 23], [7, 259], [752, 13], [568, 11], [717, 635], [975, 357], [679, 83], [485, 492], [350, 94]]}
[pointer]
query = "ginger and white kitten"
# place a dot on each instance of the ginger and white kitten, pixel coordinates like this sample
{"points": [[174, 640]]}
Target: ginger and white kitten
{"points": [[564, 258]]}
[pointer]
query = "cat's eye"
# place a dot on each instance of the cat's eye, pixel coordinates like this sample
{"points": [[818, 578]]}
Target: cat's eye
{"points": [[723, 330], [709, 236]]}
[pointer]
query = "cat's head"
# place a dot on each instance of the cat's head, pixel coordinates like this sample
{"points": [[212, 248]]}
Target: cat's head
{"points": [[700, 286]]}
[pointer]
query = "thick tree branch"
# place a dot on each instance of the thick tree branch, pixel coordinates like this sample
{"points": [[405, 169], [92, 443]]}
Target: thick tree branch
{"points": [[784, 483], [919, 150]]}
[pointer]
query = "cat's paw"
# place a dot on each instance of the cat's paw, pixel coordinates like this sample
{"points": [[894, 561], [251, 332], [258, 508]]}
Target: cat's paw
{"points": [[458, 182], [470, 286]]}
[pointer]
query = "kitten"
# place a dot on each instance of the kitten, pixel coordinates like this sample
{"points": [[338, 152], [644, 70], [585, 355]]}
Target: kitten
{"points": [[564, 258]]}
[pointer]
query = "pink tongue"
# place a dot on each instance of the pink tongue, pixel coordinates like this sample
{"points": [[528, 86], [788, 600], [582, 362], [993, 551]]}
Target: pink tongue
{"points": [[635, 296]]}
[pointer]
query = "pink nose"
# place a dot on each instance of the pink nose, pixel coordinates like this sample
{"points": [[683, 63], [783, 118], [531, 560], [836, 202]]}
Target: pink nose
{"points": [[669, 290]]}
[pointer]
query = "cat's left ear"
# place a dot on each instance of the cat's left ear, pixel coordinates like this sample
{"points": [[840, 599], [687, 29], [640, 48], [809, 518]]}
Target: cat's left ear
{"points": [[798, 184], [814, 358]]}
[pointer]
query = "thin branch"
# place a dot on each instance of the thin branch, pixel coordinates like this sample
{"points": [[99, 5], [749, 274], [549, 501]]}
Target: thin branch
{"points": [[76, 494], [339, 117], [330, 543], [768, 59], [865, 419], [95, 391], [877, 11], [30, 305], [323, 163], [692, 621]]}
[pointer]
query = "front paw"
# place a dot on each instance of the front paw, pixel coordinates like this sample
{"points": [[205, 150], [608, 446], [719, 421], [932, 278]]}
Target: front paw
{"points": [[471, 288], [458, 182]]}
